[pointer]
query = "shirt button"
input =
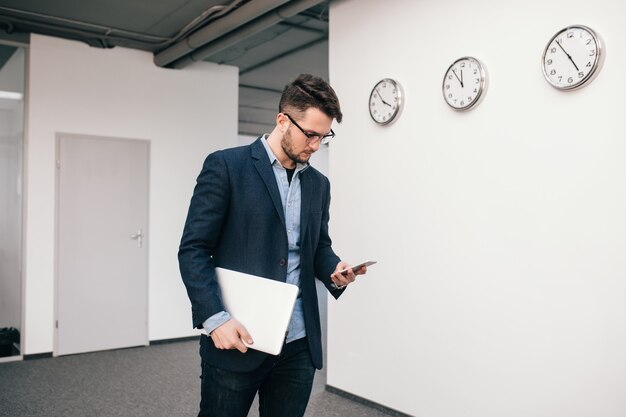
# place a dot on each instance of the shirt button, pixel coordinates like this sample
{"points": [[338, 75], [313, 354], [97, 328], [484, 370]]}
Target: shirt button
{"points": [[282, 262]]}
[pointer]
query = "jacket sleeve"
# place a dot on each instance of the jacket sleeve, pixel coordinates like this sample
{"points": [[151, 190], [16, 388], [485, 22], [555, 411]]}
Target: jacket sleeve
{"points": [[325, 260], [206, 216]]}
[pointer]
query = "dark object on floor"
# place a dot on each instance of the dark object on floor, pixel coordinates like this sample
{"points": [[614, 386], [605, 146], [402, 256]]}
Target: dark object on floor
{"points": [[8, 336]]}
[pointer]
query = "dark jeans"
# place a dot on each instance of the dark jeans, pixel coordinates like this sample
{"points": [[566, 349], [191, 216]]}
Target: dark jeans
{"points": [[283, 382]]}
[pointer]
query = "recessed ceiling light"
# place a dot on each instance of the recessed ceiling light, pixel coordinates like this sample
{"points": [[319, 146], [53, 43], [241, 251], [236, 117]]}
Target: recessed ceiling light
{"points": [[10, 95]]}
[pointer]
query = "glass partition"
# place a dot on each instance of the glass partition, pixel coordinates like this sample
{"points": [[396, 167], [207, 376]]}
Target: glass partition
{"points": [[12, 71]]}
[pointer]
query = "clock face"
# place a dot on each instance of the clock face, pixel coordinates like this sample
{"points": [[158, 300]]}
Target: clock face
{"points": [[386, 101], [572, 57], [464, 83]]}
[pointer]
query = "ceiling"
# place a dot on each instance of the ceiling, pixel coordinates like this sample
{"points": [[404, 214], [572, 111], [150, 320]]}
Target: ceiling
{"points": [[271, 41]]}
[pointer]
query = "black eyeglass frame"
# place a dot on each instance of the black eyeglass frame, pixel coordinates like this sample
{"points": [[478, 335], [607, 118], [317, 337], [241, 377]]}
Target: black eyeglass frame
{"points": [[324, 139]]}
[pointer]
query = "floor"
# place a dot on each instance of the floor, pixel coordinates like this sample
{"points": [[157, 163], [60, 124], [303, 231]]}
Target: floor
{"points": [[161, 380], [157, 380]]}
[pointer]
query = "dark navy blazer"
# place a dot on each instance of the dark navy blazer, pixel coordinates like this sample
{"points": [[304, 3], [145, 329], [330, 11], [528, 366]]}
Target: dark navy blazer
{"points": [[236, 221]]}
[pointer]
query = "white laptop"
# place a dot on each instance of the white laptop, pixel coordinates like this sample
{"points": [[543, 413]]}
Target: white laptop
{"points": [[262, 305]]}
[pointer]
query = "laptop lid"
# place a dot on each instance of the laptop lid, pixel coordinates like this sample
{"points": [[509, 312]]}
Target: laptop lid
{"points": [[263, 306]]}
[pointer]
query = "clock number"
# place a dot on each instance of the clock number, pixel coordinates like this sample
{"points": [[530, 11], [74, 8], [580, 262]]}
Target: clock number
{"points": [[588, 41], [570, 80], [570, 34], [553, 72], [581, 74], [549, 62], [553, 50], [588, 64], [592, 52]]}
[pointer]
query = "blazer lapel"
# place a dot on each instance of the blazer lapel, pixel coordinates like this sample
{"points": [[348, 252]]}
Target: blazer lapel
{"points": [[267, 174], [305, 193]]}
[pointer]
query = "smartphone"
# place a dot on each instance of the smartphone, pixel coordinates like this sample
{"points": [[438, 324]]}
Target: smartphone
{"points": [[357, 267]]}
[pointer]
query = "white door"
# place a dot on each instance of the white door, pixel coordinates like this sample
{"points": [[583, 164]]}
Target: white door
{"points": [[102, 243]]}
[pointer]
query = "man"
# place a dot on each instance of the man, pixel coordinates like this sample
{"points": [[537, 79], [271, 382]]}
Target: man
{"points": [[263, 210]]}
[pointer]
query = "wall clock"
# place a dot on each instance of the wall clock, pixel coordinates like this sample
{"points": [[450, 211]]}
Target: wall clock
{"points": [[572, 58], [464, 83], [386, 101]]}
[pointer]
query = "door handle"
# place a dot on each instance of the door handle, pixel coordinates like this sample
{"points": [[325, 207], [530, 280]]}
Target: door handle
{"points": [[138, 237]]}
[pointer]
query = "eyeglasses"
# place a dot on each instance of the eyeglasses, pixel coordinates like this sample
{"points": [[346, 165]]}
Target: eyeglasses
{"points": [[313, 137]]}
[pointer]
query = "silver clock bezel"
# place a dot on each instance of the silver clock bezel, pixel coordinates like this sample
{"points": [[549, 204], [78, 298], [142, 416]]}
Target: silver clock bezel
{"points": [[396, 114], [595, 68], [481, 88]]}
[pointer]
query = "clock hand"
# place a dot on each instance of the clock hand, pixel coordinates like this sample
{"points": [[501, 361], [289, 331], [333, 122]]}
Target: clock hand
{"points": [[457, 77], [382, 99], [568, 55]]}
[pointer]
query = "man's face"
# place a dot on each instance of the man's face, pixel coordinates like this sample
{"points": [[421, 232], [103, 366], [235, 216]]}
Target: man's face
{"points": [[295, 144]]}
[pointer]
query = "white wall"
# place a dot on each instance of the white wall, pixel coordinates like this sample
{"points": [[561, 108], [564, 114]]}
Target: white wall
{"points": [[120, 92], [500, 232]]}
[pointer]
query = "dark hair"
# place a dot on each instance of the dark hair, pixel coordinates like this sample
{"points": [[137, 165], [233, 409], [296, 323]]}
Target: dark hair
{"points": [[310, 91]]}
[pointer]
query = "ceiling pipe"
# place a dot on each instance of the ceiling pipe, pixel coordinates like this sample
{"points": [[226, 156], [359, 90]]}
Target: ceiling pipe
{"points": [[245, 31], [303, 28], [284, 54], [9, 26], [247, 12], [60, 24]]}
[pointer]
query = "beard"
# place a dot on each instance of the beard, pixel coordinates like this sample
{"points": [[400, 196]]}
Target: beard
{"points": [[287, 144]]}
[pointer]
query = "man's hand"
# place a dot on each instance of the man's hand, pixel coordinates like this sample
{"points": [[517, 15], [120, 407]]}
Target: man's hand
{"points": [[231, 335], [342, 280]]}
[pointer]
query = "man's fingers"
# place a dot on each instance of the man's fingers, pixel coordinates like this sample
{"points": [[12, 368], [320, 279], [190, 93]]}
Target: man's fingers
{"points": [[231, 335], [361, 271], [347, 277], [229, 343], [240, 346], [340, 279], [244, 335], [216, 340]]}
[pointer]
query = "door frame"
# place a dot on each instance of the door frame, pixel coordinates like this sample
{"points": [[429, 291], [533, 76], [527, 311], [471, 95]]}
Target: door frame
{"points": [[57, 180], [20, 42]]}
